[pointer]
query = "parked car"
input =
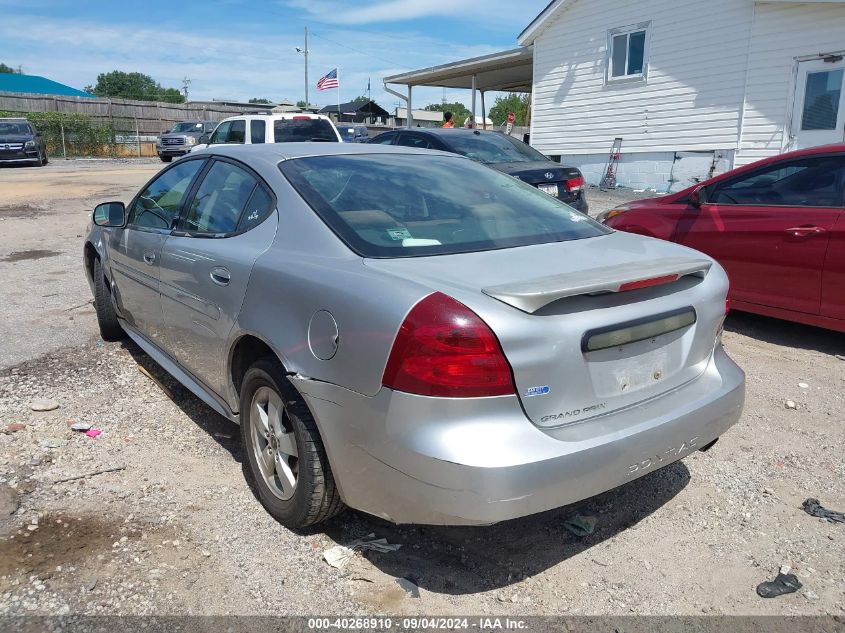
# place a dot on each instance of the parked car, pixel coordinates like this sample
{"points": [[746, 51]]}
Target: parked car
{"points": [[777, 226], [20, 142], [289, 127], [353, 133], [412, 334], [181, 138], [501, 152]]}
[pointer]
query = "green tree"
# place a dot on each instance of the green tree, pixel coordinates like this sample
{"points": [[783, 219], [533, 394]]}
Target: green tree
{"points": [[137, 86], [7, 69], [515, 102], [257, 100], [361, 99], [459, 111]]}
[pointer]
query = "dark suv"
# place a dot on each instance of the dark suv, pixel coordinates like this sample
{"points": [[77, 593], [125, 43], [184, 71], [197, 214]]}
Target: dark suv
{"points": [[21, 143], [181, 138]]}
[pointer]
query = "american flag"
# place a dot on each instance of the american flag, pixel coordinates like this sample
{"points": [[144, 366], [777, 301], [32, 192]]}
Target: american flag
{"points": [[328, 81]]}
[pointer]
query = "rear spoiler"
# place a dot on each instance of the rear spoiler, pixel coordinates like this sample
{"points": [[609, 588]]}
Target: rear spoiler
{"points": [[530, 296]]}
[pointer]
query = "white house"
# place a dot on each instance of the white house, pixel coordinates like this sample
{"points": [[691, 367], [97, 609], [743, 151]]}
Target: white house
{"points": [[692, 87]]}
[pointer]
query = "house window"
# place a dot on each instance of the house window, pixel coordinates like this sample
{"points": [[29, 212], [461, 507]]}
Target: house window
{"points": [[627, 52]]}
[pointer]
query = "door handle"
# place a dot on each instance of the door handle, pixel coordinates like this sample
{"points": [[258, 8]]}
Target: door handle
{"points": [[220, 276], [149, 258], [806, 231]]}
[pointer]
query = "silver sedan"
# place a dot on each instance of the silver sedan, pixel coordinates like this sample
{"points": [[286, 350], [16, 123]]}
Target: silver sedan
{"points": [[413, 334]]}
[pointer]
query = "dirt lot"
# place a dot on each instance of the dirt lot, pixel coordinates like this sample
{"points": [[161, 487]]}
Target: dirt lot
{"points": [[177, 530]]}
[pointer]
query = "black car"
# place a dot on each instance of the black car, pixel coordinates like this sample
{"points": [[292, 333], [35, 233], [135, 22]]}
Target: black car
{"points": [[501, 152], [21, 143]]}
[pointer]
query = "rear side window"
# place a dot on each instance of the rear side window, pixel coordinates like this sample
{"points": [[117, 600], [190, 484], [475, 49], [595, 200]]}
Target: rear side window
{"points": [[295, 130], [259, 206], [493, 147], [402, 205], [220, 199], [256, 131], [805, 182], [158, 205]]}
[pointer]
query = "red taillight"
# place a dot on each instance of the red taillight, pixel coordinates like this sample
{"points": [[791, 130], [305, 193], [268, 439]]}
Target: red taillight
{"points": [[301, 118], [575, 184], [647, 283], [444, 349]]}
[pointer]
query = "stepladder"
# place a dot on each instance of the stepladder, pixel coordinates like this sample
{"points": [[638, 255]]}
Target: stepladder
{"points": [[608, 180]]}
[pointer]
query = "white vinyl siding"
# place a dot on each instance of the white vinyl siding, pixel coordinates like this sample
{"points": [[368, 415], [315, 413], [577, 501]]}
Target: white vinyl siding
{"points": [[782, 33], [690, 101]]}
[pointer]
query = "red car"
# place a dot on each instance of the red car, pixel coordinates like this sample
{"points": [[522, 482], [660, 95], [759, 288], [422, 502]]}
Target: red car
{"points": [[777, 226]]}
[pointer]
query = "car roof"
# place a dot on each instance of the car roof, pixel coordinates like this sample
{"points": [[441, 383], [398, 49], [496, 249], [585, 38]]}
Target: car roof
{"points": [[286, 151], [278, 116], [439, 131]]}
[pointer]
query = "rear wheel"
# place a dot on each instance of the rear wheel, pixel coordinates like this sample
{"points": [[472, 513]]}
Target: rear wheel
{"points": [[110, 328], [164, 158], [285, 455]]}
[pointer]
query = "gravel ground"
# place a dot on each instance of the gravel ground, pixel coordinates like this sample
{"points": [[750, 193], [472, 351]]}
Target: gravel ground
{"points": [[174, 528]]}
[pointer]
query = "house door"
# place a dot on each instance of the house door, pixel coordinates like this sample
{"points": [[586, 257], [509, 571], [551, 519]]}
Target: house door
{"points": [[819, 114]]}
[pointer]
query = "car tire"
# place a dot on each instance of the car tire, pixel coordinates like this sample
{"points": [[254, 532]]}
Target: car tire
{"points": [[45, 158], [298, 490], [110, 329], [41, 162], [165, 159]]}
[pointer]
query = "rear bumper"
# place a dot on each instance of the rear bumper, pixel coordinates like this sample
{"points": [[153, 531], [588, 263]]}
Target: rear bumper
{"points": [[412, 459]]}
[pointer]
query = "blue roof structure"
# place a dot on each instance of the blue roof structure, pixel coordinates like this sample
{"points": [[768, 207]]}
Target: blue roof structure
{"points": [[37, 85]]}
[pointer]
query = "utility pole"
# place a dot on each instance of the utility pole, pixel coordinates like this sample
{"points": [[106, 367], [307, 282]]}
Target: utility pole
{"points": [[185, 83], [304, 51]]}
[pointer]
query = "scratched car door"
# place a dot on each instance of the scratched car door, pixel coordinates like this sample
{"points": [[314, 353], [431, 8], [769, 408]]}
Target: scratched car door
{"points": [[206, 264]]}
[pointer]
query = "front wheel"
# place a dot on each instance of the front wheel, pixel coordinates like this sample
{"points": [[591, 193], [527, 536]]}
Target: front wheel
{"points": [[286, 459]]}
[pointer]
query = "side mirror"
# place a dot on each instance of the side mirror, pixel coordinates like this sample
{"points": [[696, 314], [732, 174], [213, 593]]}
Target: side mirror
{"points": [[698, 196], [110, 214], [204, 139]]}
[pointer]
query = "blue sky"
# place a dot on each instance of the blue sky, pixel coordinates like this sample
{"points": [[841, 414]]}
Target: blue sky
{"points": [[237, 49]]}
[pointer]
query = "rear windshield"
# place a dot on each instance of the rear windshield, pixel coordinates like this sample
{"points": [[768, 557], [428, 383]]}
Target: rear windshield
{"points": [[400, 205], [295, 130], [493, 148]]}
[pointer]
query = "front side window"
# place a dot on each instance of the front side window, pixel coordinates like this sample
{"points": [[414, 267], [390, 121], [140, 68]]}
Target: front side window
{"points": [[805, 182], [237, 133], [158, 205], [220, 199], [626, 57], [401, 205], [221, 132], [257, 130], [384, 139]]}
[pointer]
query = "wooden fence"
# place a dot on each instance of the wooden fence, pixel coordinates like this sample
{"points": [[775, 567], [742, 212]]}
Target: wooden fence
{"points": [[145, 118]]}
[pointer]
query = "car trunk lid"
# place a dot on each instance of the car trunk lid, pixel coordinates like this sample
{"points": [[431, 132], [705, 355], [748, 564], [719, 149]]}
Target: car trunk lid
{"points": [[582, 336]]}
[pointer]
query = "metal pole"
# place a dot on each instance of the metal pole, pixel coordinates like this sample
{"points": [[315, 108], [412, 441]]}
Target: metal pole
{"points": [[410, 108], [473, 98], [483, 112], [306, 67], [137, 136], [64, 149]]}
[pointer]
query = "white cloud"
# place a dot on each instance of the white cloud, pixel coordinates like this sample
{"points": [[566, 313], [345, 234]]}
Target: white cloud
{"points": [[500, 13]]}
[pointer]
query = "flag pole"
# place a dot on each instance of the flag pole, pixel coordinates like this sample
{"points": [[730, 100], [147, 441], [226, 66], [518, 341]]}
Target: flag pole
{"points": [[337, 72]]}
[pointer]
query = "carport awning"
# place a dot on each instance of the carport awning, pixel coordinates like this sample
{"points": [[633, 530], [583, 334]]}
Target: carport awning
{"points": [[507, 71]]}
